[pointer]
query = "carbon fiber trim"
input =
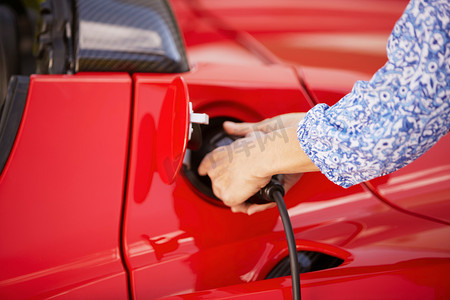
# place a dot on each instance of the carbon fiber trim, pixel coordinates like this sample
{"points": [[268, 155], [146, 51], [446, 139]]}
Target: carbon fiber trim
{"points": [[53, 49], [128, 36], [11, 115]]}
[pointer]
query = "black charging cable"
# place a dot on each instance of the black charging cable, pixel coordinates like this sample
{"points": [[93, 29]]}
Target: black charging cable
{"points": [[274, 192]]}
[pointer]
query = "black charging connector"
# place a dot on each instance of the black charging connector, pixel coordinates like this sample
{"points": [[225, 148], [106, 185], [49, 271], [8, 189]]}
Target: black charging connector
{"points": [[274, 185], [274, 192]]}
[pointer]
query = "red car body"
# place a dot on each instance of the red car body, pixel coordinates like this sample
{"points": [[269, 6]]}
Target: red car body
{"points": [[86, 210]]}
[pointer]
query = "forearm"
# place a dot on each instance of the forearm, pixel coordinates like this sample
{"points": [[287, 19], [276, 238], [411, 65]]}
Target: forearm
{"points": [[283, 154]]}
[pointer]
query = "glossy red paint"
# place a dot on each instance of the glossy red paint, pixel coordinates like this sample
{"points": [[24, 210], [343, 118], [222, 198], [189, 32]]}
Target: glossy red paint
{"points": [[413, 280], [422, 187], [335, 42], [329, 34], [62, 190], [329, 85], [198, 246]]}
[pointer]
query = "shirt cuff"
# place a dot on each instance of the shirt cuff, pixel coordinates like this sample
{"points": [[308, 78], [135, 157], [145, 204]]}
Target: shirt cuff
{"points": [[315, 138]]}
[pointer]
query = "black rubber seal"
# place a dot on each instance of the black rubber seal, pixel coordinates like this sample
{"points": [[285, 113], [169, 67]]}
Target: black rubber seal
{"points": [[11, 115]]}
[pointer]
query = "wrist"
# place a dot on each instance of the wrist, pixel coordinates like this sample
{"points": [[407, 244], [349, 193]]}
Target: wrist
{"points": [[284, 155]]}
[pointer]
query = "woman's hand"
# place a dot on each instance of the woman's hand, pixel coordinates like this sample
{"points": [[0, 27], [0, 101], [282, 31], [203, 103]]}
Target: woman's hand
{"points": [[237, 171], [241, 169], [266, 126]]}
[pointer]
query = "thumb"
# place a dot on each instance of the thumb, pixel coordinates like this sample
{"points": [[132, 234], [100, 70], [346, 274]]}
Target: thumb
{"points": [[240, 129], [289, 180]]}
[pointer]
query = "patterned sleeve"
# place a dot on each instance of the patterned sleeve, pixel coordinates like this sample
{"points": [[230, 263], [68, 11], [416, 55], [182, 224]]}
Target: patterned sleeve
{"points": [[384, 124]]}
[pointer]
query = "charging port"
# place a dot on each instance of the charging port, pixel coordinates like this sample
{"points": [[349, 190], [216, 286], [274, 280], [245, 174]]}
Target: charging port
{"points": [[213, 136]]}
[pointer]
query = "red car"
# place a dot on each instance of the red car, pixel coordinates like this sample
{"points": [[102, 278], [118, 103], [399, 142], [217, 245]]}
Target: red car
{"points": [[99, 195]]}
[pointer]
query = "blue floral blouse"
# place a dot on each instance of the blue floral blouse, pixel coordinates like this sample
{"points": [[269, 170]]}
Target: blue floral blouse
{"points": [[384, 124]]}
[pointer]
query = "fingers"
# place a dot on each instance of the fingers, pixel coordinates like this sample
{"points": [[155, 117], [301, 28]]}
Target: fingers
{"points": [[267, 125], [205, 165], [250, 209], [213, 160], [239, 129], [232, 171], [221, 188], [289, 180], [259, 207], [243, 129], [240, 208]]}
